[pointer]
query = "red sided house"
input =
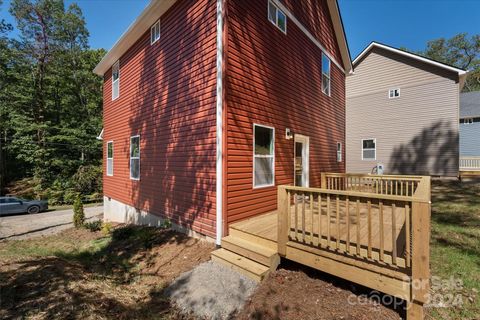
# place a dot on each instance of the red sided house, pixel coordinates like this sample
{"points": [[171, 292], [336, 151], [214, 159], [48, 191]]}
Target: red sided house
{"points": [[227, 117], [210, 105]]}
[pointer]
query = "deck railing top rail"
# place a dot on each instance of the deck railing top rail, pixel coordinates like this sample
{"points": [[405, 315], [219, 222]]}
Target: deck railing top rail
{"points": [[393, 186]]}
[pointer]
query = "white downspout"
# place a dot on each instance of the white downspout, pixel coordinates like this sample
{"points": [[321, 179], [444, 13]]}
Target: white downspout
{"points": [[219, 115]]}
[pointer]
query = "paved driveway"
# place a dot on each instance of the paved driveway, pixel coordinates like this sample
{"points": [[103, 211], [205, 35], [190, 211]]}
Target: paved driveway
{"points": [[25, 226]]}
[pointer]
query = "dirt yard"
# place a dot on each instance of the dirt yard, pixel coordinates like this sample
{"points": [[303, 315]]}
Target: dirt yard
{"points": [[297, 292], [78, 274]]}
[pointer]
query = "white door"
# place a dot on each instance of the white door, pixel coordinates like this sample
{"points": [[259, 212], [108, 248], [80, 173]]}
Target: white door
{"points": [[301, 163]]}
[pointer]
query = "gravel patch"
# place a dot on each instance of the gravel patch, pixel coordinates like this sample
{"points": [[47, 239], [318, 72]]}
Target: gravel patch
{"points": [[211, 291]]}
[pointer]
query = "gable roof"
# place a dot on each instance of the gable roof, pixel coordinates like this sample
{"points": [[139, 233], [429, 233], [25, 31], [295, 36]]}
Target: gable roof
{"points": [[470, 104], [158, 7], [340, 34], [462, 74], [142, 23]]}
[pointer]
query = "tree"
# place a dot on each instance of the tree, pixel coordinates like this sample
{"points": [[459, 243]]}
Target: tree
{"points": [[459, 51], [50, 101], [78, 213]]}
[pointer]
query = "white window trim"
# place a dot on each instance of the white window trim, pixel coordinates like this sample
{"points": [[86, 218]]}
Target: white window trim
{"points": [[340, 152], [328, 76], [263, 156], [393, 90], [152, 30], [130, 157], [276, 16], [375, 149], [110, 142], [116, 81]]}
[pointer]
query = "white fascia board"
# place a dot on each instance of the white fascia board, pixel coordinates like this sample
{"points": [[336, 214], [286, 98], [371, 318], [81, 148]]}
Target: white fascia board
{"points": [[410, 55], [144, 21]]}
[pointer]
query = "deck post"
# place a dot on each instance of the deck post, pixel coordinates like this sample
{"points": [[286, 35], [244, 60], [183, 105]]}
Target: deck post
{"points": [[420, 256], [323, 181], [282, 208]]}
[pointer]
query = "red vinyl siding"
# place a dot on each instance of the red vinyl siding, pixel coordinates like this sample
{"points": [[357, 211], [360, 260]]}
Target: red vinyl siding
{"points": [[275, 80], [314, 16], [167, 96]]}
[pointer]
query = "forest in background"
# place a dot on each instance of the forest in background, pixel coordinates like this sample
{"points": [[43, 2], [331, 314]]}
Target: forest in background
{"points": [[51, 102]]}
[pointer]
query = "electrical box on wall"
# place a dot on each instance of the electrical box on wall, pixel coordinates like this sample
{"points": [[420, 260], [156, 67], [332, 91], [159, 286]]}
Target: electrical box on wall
{"points": [[288, 134]]}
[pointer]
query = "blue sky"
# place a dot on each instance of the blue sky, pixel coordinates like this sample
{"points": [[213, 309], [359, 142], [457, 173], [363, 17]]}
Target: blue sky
{"points": [[408, 23]]}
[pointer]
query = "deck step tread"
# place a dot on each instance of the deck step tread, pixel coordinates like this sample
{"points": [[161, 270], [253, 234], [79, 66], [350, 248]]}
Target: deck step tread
{"points": [[242, 264], [254, 247]]}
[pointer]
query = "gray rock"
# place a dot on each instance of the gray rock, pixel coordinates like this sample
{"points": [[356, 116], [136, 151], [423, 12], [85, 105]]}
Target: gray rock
{"points": [[211, 291]]}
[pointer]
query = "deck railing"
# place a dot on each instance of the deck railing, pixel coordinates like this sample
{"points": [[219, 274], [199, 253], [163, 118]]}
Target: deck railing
{"points": [[379, 184], [470, 163], [375, 221]]}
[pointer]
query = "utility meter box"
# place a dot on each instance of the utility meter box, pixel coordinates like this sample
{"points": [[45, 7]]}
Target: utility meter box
{"points": [[380, 168]]}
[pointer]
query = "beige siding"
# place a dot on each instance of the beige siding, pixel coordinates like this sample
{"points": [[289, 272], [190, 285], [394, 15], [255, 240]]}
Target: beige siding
{"points": [[416, 133]]}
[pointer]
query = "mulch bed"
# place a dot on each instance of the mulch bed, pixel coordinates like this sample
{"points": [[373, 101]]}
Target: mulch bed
{"points": [[296, 292]]}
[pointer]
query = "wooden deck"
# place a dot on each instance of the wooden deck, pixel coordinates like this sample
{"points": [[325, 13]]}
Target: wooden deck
{"points": [[371, 230], [266, 226]]}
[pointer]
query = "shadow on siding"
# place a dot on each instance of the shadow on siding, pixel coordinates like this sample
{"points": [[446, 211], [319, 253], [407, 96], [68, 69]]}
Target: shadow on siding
{"points": [[434, 151], [174, 113]]}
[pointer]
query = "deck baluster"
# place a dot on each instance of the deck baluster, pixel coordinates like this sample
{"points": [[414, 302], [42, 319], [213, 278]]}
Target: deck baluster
{"points": [[381, 231], [303, 216], [369, 218], [394, 240]]}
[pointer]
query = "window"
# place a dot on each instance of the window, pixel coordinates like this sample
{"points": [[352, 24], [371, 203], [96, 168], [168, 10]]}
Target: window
{"points": [[277, 17], [110, 158], [116, 80], [325, 74], [135, 158], [263, 156], [339, 152], [468, 120], [155, 32], [369, 149], [394, 93]]}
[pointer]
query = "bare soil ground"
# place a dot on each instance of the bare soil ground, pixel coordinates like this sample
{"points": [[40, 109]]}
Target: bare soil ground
{"points": [[297, 292], [82, 275]]}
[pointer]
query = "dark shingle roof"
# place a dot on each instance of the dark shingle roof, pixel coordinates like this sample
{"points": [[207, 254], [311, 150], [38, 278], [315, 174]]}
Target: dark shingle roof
{"points": [[470, 104]]}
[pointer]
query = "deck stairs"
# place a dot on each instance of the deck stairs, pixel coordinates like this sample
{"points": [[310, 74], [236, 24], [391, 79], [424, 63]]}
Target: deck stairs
{"points": [[249, 254]]}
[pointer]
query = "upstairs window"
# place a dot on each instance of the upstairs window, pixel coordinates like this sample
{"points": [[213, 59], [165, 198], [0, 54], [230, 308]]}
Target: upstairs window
{"points": [[116, 80], [277, 17], [155, 32], [369, 149], [339, 152], [263, 156], [135, 158], [110, 158], [394, 93], [325, 74]]}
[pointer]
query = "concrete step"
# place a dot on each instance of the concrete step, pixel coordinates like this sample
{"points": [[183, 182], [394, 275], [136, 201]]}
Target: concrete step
{"points": [[256, 252], [245, 266]]}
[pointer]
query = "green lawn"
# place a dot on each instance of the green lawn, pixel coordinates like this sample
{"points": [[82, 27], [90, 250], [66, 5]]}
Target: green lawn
{"points": [[455, 247]]}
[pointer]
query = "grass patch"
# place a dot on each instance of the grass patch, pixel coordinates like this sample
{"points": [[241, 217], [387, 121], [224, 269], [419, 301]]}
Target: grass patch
{"points": [[455, 245]]}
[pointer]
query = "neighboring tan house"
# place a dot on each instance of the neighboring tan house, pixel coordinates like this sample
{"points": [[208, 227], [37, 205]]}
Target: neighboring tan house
{"points": [[402, 112], [208, 104], [470, 124]]}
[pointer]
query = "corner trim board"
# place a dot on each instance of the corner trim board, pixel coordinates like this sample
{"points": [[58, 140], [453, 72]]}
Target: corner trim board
{"points": [[219, 125]]}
